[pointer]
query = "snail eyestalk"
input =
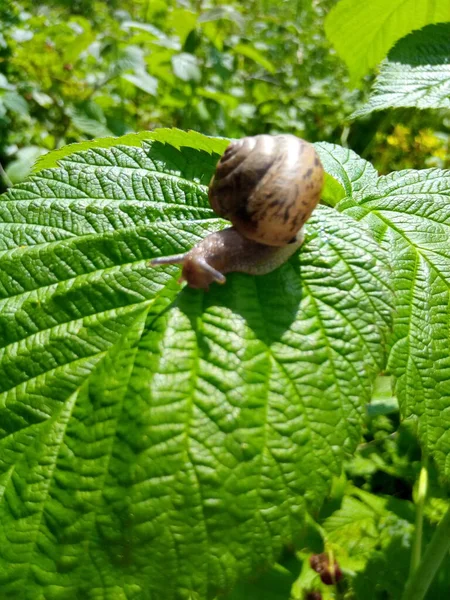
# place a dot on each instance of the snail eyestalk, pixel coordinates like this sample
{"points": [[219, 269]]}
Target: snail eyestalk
{"points": [[174, 259], [215, 274]]}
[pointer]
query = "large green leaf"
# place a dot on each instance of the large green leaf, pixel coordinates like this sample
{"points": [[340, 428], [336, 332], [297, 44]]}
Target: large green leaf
{"points": [[364, 32], [158, 442], [416, 74], [408, 213]]}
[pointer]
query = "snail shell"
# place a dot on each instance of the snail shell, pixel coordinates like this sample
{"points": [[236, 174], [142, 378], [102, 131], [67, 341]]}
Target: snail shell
{"points": [[267, 186]]}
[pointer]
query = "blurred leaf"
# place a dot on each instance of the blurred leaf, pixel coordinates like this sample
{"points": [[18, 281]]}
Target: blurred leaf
{"points": [[15, 103], [219, 97], [222, 12], [130, 58], [253, 54], [143, 81], [4, 84], [42, 99], [185, 66], [21, 35], [192, 41], [182, 21], [148, 27], [19, 169], [72, 50], [89, 118]]}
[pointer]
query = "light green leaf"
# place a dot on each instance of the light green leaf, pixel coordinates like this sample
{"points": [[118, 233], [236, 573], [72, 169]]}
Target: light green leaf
{"points": [[19, 168], [21, 35], [217, 13], [364, 32], [226, 100], [367, 527], [372, 539], [89, 118], [408, 213], [15, 103], [148, 27], [156, 440], [131, 57], [185, 67], [4, 83], [157, 36], [416, 74], [143, 81], [42, 99], [255, 55], [332, 191], [181, 21], [79, 44]]}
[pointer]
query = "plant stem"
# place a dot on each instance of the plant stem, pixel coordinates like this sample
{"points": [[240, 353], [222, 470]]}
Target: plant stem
{"points": [[419, 581], [422, 490]]}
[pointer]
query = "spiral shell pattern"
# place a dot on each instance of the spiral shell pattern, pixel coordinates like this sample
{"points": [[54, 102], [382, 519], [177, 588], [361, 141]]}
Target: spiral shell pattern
{"points": [[267, 186]]}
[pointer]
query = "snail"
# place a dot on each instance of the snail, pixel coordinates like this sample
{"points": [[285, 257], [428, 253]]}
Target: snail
{"points": [[267, 186]]}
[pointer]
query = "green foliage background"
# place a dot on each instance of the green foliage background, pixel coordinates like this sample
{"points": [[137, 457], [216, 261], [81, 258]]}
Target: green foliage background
{"points": [[100, 68], [76, 70]]}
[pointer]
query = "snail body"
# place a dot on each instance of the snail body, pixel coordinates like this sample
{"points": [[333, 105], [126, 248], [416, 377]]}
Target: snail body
{"points": [[267, 186]]}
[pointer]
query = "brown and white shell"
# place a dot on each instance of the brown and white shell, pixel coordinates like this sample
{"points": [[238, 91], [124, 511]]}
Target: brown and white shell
{"points": [[267, 186]]}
